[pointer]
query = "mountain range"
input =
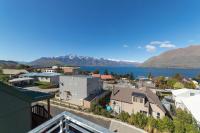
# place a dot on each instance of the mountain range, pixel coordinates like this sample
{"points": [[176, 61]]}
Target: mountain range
{"points": [[7, 64], [188, 57], [74, 60]]}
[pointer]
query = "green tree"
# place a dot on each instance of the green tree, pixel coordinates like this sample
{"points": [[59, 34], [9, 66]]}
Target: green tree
{"points": [[150, 76], [131, 77], [165, 125], [140, 120], [1, 72], [106, 72], [171, 82], [178, 77], [4, 78], [96, 71], [178, 85], [184, 122], [189, 85]]}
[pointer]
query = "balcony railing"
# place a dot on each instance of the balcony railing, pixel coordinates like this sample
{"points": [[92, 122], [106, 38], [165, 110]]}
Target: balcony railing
{"points": [[69, 123]]}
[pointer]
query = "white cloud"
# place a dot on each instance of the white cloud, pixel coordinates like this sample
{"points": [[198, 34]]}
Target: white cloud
{"points": [[159, 42], [139, 47], [125, 46], [150, 48], [163, 44], [167, 45]]}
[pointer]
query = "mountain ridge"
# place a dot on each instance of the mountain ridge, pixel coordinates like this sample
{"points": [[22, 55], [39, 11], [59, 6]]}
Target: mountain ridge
{"points": [[75, 60], [188, 57]]}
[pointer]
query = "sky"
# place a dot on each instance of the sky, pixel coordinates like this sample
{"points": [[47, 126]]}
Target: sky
{"points": [[132, 30]]}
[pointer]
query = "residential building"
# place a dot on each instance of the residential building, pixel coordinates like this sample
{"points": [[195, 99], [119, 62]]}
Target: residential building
{"points": [[18, 114], [180, 94], [103, 77], [52, 78], [13, 72], [137, 100], [21, 82], [191, 104], [78, 87], [49, 70], [70, 70]]}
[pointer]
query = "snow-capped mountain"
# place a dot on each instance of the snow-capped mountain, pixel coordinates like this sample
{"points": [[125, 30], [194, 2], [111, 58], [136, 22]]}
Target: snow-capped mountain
{"points": [[76, 60]]}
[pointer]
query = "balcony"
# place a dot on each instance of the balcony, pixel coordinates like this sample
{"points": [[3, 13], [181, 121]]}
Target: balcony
{"points": [[69, 123]]}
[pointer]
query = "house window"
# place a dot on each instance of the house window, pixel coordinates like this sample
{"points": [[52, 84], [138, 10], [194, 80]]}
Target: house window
{"points": [[134, 99], [158, 115]]}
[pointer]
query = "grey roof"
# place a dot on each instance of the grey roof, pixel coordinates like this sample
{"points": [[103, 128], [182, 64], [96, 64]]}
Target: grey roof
{"points": [[125, 95], [25, 95], [20, 79], [44, 74], [78, 76]]}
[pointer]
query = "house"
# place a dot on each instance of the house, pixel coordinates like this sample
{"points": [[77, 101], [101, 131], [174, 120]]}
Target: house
{"points": [[18, 114], [180, 94], [76, 88], [13, 72], [70, 70], [137, 100], [103, 77], [52, 78], [49, 70], [20, 82], [191, 104]]}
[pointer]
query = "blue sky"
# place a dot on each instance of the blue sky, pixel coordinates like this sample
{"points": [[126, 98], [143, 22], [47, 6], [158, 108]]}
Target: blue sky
{"points": [[116, 29]]}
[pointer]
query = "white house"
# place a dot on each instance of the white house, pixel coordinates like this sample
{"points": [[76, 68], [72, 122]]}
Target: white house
{"points": [[179, 95]]}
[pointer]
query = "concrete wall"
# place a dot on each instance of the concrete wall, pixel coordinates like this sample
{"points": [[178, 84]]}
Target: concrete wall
{"points": [[79, 87], [121, 106], [15, 114]]}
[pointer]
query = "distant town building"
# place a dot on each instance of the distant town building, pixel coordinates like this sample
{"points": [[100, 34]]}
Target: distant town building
{"points": [[13, 72], [18, 115], [70, 70], [137, 100], [49, 70], [103, 77], [44, 77], [76, 88]]}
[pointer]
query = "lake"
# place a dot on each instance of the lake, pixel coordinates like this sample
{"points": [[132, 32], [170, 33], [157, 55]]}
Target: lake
{"points": [[139, 71]]}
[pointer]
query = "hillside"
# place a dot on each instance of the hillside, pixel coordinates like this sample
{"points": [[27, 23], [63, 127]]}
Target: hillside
{"points": [[188, 57], [75, 60], [8, 64]]}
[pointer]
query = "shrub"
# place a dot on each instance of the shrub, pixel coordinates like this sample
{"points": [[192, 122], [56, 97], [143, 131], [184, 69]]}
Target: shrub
{"points": [[124, 116], [178, 85]]}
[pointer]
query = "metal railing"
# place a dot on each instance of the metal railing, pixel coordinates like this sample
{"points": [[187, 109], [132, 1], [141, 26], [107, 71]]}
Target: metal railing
{"points": [[69, 123]]}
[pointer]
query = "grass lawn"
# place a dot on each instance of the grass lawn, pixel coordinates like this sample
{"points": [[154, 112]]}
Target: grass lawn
{"points": [[45, 85]]}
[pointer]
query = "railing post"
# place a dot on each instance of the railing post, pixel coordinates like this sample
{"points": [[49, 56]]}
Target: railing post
{"points": [[61, 126]]}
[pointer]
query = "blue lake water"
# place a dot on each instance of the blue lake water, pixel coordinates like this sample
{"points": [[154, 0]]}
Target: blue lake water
{"points": [[139, 71]]}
